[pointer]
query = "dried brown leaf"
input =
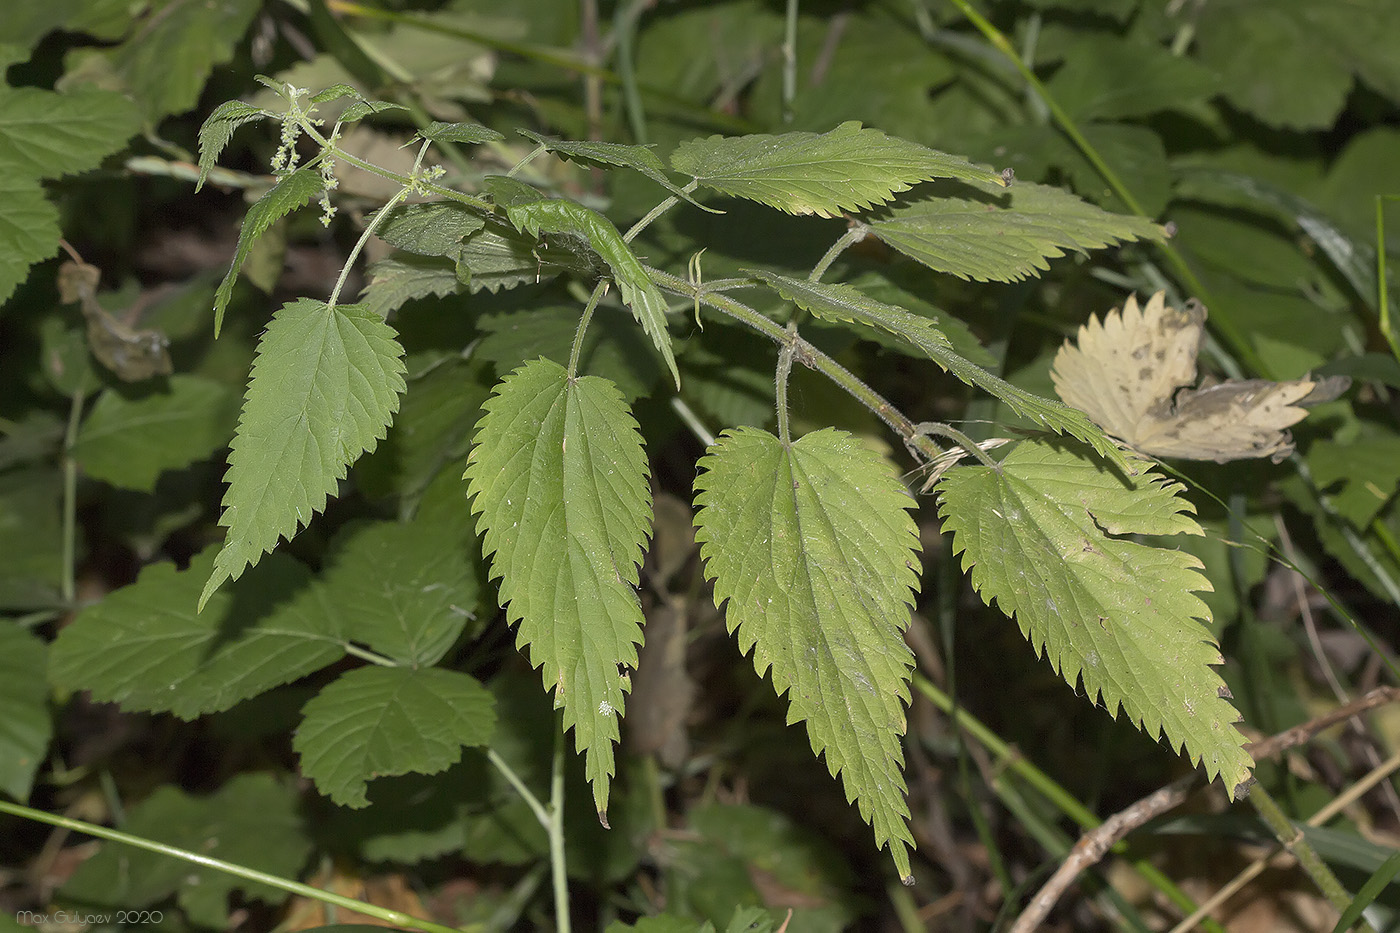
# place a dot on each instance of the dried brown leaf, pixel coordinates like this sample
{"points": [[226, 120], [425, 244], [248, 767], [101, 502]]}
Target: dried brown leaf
{"points": [[1128, 374]]}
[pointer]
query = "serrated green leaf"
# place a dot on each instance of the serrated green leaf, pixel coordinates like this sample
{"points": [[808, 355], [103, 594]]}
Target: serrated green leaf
{"points": [[844, 304], [1045, 536], [559, 478], [403, 277], [164, 65], [335, 92], [362, 108], [28, 230], [47, 135], [432, 429], [325, 385], [469, 133], [146, 648], [290, 193], [382, 721], [849, 168], [813, 548], [129, 440], [531, 212], [252, 821], [401, 590], [1002, 237], [219, 128], [501, 257], [434, 229], [1050, 413], [25, 725], [638, 158]]}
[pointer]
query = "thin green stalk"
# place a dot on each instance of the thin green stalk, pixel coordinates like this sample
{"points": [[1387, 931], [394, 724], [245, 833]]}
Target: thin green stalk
{"points": [[577, 351], [656, 212], [781, 382], [394, 917], [1238, 343], [804, 351], [789, 59], [1291, 838], [68, 582], [556, 835], [518, 785], [1046, 786], [364, 654], [854, 235]]}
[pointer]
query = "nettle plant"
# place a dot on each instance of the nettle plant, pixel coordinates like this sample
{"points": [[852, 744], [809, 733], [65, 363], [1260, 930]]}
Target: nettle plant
{"points": [[809, 541]]}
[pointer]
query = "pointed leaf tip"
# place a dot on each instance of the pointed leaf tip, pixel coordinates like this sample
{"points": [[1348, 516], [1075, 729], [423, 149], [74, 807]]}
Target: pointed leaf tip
{"points": [[603, 818]]}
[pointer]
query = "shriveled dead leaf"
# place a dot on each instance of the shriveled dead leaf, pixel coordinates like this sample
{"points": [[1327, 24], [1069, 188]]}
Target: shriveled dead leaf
{"points": [[1129, 373], [134, 355]]}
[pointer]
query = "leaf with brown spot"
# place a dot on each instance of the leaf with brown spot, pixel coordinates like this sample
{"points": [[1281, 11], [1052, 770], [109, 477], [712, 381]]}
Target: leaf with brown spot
{"points": [[1129, 372]]}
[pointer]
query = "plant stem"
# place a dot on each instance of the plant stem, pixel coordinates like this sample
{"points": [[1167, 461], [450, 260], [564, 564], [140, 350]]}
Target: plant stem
{"points": [[780, 381], [852, 236], [393, 917], [806, 353], [1291, 838], [513, 779], [789, 59], [598, 291], [68, 582], [556, 835]]}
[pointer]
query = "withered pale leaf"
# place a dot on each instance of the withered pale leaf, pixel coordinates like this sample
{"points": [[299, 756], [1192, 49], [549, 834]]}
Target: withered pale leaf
{"points": [[1129, 372]]}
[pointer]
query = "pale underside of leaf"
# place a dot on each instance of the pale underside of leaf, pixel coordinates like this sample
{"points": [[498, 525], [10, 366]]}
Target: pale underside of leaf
{"points": [[1001, 236], [1044, 537], [848, 168], [559, 477], [1125, 373], [813, 555], [325, 385]]}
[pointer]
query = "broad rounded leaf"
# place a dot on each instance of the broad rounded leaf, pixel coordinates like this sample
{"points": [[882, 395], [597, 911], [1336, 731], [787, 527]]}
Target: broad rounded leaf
{"points": [[25, 724], [433, 229], [812, 547], [1046, 535], [848, 168], [381, 721], [559, 478], [325, 385], [1001, 236], [129, 442], [28, 230], [146, 648], [401, 590]]}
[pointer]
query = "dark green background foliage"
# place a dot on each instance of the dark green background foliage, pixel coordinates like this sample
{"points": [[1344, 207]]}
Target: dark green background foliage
{"points": [[251, 607]]}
